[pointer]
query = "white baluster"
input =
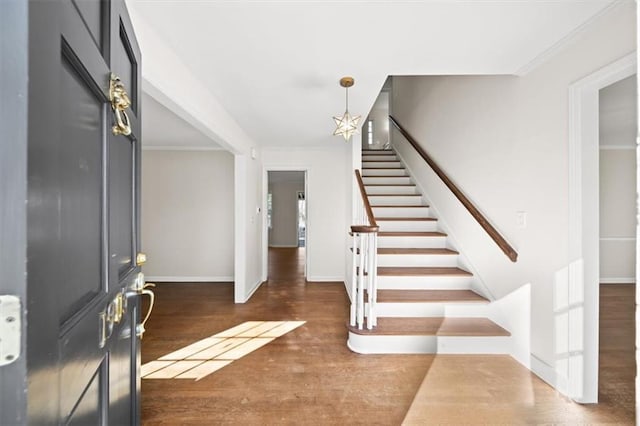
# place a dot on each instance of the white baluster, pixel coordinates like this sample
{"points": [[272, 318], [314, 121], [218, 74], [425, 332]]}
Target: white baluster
{"points": [[360, 307], [373, 297]]}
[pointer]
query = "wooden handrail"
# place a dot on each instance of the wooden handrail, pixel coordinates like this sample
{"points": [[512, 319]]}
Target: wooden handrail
{"points": [[373, 225], [484, 223]]}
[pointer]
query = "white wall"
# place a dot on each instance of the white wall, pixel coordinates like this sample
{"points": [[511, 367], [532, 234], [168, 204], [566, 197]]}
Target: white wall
{"points": [[380, 116], [169, 80], [617, 130], [187, 215], [284, 187], [327, 188], [249, 216], [503, 140]]}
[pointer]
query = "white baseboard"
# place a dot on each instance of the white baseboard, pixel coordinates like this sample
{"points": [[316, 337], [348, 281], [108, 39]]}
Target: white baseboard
{"points": [[183, 279], [548, 374], [283, 245], [325, 279], [347, 289], [254, 288], [627, 280]]}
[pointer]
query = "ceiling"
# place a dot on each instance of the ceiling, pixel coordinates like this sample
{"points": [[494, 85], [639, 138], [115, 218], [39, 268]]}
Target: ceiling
{"points": [[275, 65], [162, 128]]}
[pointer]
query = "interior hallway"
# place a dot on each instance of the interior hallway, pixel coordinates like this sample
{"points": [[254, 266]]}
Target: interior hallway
{"points": [[309, 376]]}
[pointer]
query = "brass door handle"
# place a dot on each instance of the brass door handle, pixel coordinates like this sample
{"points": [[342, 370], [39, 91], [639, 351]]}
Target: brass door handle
{"points": [[140, 327], [119, 103]]}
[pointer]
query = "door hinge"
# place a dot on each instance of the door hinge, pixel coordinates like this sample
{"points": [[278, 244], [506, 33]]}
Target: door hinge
{"points": [[10, 329]]}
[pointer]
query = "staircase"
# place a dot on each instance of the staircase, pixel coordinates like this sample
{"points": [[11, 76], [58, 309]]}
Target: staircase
{"points": [[425, 302]]}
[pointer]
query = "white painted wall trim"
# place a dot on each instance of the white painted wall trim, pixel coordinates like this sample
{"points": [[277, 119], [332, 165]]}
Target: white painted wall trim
{"points": [[617, 238], [283, 245], [548, 374], [254, 288], [617, 148], [626, 280], [240, 234], [265, 227], [181, 148], [564, 41], [184, 279], [584, 271], [347, 289], [325, 279]]}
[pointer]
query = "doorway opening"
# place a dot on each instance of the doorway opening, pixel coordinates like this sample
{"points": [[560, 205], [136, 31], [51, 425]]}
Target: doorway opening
{"points": [[617, 122], [584, 215], [286, 220]]}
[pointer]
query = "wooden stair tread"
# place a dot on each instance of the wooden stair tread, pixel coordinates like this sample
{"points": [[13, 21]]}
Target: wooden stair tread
{"points": [[429, 296], [411, 234], [390, 184], [403, 250], [422, 271], [394, 195], [407, 219], [434, 326], [386, 206]]}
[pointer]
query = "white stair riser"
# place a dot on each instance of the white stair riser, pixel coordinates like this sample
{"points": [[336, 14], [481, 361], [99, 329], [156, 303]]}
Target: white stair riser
{"points": [[391, 189], [412, 242], [408, 225], [401, 211], [384, 172], [387, 282], [372, 344], [384, 164], [423, 310], [385, 179], [390, 157], [444, 260], [400, 200]]}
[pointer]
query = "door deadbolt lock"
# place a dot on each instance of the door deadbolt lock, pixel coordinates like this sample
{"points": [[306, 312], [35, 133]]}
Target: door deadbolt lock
{"points": [[111, 316]]}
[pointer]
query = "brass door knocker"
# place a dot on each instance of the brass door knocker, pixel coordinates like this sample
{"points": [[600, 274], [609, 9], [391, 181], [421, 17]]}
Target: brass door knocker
{"points": [[119, 103]]}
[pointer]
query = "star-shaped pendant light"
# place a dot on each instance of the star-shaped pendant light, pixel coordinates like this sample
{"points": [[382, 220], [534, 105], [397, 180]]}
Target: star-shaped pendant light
{"points": [[347, 124]]}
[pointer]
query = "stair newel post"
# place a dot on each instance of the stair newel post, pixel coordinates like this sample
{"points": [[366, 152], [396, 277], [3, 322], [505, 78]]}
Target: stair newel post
{"points": [[354, 279], [360, 293]]}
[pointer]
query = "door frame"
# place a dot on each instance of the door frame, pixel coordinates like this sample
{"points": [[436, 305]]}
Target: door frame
{"points": [[584, 250], [265, 227], [14, 16]]}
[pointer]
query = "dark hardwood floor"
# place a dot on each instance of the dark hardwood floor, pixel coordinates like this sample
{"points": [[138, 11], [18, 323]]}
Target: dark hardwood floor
{"points": [[310, 377], [617, 347]]}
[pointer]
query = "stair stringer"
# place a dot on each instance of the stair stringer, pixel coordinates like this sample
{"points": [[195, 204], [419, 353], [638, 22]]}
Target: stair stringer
{"points": [[477, 283]]}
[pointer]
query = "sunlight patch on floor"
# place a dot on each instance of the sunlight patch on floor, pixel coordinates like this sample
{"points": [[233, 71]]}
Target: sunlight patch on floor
{"points": [[210, 354]]}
